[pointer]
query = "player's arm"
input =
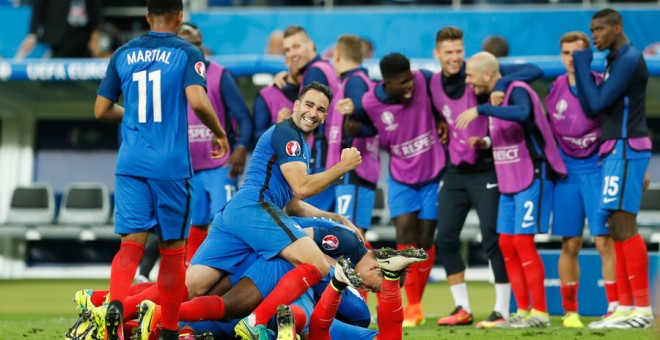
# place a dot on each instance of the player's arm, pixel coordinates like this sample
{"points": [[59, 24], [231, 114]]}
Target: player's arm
{"points": [[518, 110], [238, 111], [262, 118], [596, 98], [201, 105], [109, 91], [305, 185], [298, 207], [106, 110]]}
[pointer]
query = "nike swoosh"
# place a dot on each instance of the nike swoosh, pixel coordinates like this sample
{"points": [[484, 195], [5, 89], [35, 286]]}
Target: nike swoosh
{"points": [[525, 264], [608, 200], [527, 224], [491, 185]]}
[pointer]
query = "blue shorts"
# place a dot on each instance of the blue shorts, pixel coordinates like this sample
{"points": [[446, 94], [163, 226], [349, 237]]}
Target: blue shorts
{"points": [[356, 203], [340, 330], [143, 203], [404, 199], [623, 178], [213, 188], [575, 198], [527, 212], [246, 226], [265, 274], [324, 200]]}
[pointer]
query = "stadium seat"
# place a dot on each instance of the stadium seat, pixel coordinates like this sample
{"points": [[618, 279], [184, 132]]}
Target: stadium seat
{"points": [[31, 205], [85, 203]]}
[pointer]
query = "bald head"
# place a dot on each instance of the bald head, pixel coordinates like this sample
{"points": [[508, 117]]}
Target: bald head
{"points": [[484, 62], [482, 71]]}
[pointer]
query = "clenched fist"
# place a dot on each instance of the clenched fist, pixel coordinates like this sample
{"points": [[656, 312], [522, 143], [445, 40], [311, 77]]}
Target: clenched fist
{"points": [[351, 158]]}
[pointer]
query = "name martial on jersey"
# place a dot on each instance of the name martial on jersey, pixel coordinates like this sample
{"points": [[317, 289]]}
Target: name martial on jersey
{"points": [[148, 56]]}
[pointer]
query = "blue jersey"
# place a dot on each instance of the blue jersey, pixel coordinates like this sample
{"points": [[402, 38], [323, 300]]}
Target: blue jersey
{"points": [[264, 181], [152, 72]]}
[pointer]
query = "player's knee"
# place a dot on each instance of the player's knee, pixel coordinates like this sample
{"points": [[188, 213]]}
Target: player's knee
{"points": [[571, 246]]}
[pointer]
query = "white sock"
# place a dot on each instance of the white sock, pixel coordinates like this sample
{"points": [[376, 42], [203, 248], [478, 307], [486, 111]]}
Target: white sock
{"points": [[503, 299], [624, 308], [644, 309], [612, 306], [460, 294]]}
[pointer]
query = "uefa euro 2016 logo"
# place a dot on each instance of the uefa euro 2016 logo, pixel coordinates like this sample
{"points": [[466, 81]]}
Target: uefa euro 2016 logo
{"points": [[330, 242], [388, 119], [292, 148], [561, 107]]}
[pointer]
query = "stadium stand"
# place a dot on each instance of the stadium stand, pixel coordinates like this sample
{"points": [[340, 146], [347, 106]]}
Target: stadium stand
{"points": [[31, 205], [85, 203]]}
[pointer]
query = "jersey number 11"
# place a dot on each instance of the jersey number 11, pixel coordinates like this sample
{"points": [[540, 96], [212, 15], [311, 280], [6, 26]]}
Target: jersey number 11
{"points": [[141, 78]]}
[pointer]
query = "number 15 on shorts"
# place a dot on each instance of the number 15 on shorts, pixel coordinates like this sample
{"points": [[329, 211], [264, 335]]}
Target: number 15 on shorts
{"points": [[610, 189]]}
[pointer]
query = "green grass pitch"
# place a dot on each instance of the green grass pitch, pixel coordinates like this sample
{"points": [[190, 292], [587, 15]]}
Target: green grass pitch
{"points": [[42, 309]]}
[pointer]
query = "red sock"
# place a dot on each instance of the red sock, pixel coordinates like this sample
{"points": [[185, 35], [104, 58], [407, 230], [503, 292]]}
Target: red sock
{"points": [[412, 285], [151, 294], [637, 265], [195, 238], [299, 317], [390, 311], [569, 297], [622, 283], [533, 268], [291, 286], [211, 308], [98, 297], [171, 282], [139, 287], [425, 270], [611, 293], [324, 313], [124, 267], [515, 271]]}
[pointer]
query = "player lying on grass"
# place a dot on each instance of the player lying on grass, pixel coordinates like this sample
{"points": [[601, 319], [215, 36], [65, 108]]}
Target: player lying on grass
{"points": [[334, 240]]}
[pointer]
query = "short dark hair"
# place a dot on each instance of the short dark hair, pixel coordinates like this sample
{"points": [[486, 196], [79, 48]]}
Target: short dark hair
{"points": [[612, 16], [315, 85], [496, 45], [160, 7], [394, 64], [448, 33]]}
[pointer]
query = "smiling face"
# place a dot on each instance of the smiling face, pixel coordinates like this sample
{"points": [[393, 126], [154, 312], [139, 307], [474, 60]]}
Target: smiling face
{"points": [[299, 49], [310, 110], [451, 55], [604, 34], [476, 78], [400, 87]]}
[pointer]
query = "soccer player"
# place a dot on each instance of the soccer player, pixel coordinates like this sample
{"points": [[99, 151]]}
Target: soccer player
{"points": [[326, 148], [470, 180], [356, 195], [253, 220], [400, 109], [619, 100], [158, 73], [526, 163], [577, 137], [214, 180]]}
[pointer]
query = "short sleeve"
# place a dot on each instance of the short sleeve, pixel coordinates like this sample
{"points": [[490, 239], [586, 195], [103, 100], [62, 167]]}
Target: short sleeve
{"points": [[287, 143], [110, 87], [195, 73]]}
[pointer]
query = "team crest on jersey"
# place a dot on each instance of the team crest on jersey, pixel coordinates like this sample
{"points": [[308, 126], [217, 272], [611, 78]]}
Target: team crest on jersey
{"points": [[561, 107], [293, 148], [200, 68], [388, 119], [330, 242]]}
